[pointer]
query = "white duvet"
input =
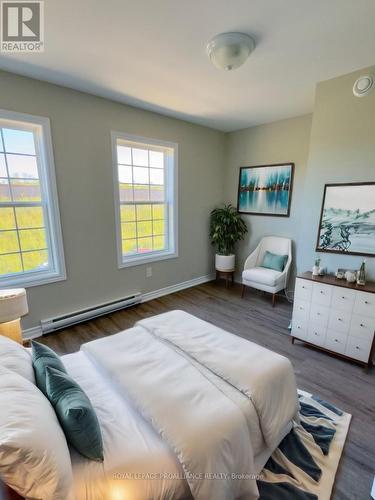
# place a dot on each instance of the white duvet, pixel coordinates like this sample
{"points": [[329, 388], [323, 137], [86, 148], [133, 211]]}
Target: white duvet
{"points": [[203, 391]]}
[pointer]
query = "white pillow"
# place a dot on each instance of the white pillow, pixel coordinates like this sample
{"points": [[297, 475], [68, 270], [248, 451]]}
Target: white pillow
{"points": [[34, 456], [16, 358]]}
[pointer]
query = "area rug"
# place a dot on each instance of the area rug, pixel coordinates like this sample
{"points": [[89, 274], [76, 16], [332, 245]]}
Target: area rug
{"points": [[304, 465]]}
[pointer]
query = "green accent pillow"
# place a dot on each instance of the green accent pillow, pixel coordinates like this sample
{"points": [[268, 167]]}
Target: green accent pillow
{"points": [[43, 356], [273, 261], [75, 413]]}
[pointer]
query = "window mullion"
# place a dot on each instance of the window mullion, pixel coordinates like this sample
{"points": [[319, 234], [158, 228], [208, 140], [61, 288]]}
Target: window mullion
{"points": [[12, 201], [146, 246], [33, 270]]}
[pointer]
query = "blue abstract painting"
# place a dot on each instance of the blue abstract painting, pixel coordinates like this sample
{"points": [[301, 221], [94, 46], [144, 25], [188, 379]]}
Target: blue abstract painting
{"points": [[347, 223], [266, 189]]}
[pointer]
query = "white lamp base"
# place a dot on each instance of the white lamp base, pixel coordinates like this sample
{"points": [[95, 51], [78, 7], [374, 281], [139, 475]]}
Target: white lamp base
{"points": [[12, 330]]}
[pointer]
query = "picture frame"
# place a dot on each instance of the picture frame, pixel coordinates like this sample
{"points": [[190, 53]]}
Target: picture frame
{"points": [[266, 189], [347, 219]]}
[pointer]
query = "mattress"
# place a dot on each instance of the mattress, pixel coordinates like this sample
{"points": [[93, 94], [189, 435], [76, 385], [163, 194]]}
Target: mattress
{"points": [[138, 464]]}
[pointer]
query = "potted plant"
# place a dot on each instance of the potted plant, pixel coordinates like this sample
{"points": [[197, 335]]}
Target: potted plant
{"points": [[226, 229]]}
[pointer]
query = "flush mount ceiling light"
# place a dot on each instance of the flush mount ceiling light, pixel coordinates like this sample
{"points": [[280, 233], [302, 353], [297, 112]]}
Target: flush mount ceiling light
{"points": [[364, 85], [230, 50]]}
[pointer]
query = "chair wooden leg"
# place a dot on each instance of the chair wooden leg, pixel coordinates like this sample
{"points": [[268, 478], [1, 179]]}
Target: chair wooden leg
{"points": [[243, 291], [273, 299]]}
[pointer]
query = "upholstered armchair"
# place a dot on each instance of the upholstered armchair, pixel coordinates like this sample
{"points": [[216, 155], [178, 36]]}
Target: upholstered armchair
{"points": [[261, 278]]}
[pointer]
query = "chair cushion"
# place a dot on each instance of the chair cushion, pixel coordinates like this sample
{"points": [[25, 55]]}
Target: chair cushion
{"points": [[274, 261], [262, 275]]}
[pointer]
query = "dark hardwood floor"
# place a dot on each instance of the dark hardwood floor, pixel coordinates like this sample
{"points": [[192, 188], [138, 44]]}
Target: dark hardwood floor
{"points": [[340, 382]]}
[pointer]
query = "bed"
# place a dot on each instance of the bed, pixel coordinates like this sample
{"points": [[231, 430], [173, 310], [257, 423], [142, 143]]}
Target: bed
{"points": [[186, 410]]}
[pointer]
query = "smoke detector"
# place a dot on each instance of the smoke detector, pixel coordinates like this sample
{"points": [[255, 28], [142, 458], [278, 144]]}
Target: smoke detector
{"points": [[363, 85]]}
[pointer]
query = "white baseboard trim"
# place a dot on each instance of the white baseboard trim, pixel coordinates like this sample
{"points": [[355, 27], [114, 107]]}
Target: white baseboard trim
{"points": [[177, 287], [32, 333], [36, 331]]}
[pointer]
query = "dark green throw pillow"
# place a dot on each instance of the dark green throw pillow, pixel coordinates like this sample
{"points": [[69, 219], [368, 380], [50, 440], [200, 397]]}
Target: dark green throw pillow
{"points": [[43, 356], [75, 413], [274, 261]]}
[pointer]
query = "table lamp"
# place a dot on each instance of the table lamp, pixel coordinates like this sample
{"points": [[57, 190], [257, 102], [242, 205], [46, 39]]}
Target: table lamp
{"points": [[13, 305]]}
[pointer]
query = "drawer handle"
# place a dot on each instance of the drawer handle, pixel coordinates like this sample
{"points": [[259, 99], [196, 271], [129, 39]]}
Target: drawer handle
{"points": [[299, 328], [362, 325], [336, 340], [343, 297], [366, 302], [357, 347], [315, 333], [318, 314], [321, 291], [339, 319], [303, 287]]}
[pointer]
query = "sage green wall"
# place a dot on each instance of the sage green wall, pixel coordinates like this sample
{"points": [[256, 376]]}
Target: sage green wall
{"points": [[81, 126], [278, 142], [342, 149], [335, 144]]}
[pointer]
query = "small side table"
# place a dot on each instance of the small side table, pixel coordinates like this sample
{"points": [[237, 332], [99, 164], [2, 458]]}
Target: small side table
{"points": [[228, 275]]}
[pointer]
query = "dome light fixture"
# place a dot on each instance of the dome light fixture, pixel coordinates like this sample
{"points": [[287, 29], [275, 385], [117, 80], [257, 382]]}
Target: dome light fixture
{"points": [[230, 50], [363, 85]]}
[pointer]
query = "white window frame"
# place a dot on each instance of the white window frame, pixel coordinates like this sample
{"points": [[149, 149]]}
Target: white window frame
{"points": [[171, 190], [41, 128]]}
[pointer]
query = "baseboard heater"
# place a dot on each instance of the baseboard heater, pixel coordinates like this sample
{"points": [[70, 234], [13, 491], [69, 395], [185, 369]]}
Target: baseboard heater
{"points": [[53, 324]]}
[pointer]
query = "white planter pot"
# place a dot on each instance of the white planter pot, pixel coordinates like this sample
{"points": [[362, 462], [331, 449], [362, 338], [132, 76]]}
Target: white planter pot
{"points": [[225, 263]]}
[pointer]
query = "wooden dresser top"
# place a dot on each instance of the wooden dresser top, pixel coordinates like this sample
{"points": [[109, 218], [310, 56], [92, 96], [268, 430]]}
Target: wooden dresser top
{"points": [[329, 279]]}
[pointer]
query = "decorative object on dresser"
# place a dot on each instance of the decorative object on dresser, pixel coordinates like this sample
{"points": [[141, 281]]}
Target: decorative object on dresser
{"points": [[266, 189], [335, 316], [361, 275], [316, 267], [347, 219], [13, 305], [267, 267]]}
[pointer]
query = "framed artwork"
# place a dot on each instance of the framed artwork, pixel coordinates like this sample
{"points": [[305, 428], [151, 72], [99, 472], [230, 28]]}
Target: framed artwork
{"points": [[265, 189], [347, 219]]}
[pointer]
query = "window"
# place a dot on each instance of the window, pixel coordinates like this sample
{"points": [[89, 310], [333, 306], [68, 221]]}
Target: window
{"points": [[145, 190], [30, 235]]}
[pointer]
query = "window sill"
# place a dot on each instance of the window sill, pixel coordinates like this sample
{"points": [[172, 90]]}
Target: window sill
{"points": [[27, 281], [146, 259]]}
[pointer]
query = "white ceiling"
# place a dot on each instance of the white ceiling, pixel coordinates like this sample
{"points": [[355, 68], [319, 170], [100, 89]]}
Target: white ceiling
{"points": [[151, 54]]}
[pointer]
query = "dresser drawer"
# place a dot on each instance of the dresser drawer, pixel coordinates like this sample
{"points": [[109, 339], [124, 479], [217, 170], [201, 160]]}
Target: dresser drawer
{"points": [[316, 334], [358, 348], [301, 310], [365, 304], [336, 341], [339, 321], [343, 298], [362, 327], [299, 329], [319, 314], [303, 290], [322, 294]]}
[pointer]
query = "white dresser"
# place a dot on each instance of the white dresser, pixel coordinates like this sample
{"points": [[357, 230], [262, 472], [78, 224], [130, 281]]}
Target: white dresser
{"points": [[335, 316]]}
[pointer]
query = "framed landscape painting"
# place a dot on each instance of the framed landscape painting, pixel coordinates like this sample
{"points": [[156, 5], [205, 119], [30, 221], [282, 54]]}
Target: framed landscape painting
{"points": [[265, 189], [347, 219]]}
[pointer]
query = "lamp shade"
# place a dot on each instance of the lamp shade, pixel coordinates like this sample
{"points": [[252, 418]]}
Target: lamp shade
{"points": [[13, 304]]}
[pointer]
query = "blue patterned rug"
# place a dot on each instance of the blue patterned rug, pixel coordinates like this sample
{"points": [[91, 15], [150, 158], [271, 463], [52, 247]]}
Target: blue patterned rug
{"points": [[304, 465]]}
